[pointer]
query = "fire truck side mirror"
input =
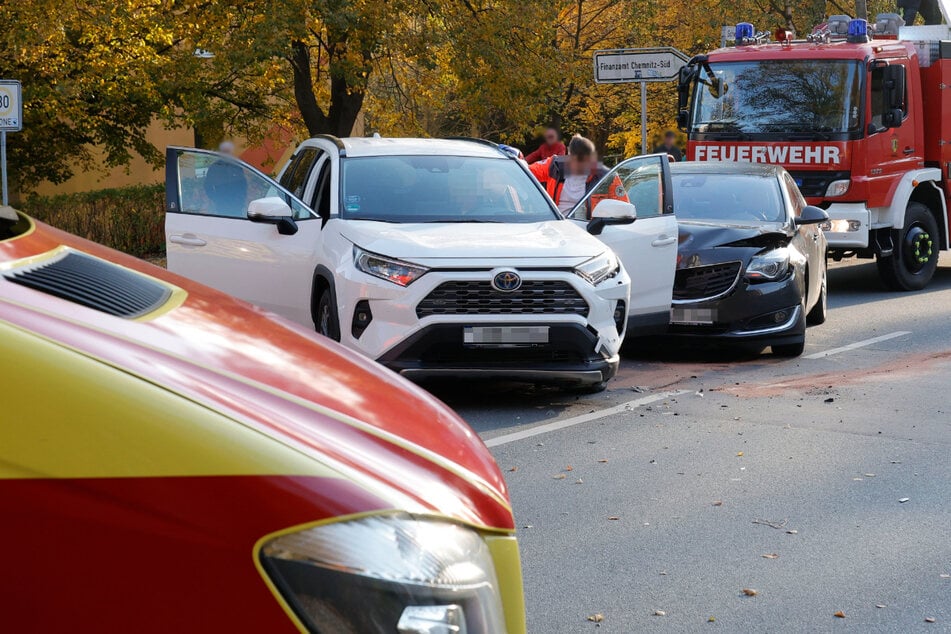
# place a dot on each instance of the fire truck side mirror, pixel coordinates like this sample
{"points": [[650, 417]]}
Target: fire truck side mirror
{"points": [[893, 95]]}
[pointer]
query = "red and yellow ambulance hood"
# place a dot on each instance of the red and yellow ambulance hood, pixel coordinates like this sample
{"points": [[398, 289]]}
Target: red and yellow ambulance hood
{"points": [[187, 427]]}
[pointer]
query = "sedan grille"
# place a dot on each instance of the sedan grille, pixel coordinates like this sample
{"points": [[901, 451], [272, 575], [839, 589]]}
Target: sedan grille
{"points": [[705, 282], [538, 297]]}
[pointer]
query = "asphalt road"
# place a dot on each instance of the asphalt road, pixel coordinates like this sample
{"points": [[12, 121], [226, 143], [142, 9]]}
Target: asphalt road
{"points": [[654, 503]]}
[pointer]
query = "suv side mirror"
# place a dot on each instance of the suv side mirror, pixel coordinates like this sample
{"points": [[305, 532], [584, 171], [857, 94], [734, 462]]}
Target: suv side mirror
{"points": [[275, 211], [893, 95], [611, 211], [811, 216]]}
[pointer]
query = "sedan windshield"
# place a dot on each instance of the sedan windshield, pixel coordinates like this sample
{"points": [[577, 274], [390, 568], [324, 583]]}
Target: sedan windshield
{"points": [[814, 97], [728, 198], [440, 189]]}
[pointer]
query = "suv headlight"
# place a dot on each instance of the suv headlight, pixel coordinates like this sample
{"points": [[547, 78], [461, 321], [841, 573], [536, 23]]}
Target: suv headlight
{"points": [[396, 271], [599, 268], [768, 266], [388, 573]]}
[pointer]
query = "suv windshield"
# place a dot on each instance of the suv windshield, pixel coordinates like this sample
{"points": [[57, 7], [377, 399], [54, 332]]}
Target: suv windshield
{"points": [[736, 198], [817, 97], [440, 189]]}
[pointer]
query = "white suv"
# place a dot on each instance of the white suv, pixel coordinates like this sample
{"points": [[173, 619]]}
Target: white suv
{"points": [[434, 257]]}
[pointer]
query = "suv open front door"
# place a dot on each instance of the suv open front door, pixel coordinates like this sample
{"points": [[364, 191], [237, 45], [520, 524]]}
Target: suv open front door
{"points": [[647, 247], [231, 227]]}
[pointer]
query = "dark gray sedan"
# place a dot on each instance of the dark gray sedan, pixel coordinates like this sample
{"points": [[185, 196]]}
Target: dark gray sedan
{"points": [[751, 264]]}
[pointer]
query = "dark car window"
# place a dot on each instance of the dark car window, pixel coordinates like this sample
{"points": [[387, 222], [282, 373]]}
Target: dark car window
{"points": [[295, 178], [740, 198], [798, 202]]}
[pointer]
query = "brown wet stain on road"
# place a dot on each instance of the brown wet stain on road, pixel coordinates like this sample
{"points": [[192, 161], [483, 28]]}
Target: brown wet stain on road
{"points": [[902, 368]]}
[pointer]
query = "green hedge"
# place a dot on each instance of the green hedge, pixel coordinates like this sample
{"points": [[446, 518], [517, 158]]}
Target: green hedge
{"points": [[129, 219]]}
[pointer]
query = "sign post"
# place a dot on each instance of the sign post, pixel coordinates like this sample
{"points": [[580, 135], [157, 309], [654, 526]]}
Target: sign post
{"points": [[643, 65], [11, 120]]}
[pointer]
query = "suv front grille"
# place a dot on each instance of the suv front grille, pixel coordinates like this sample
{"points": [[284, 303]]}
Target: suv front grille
{"points": [[704, 282], [534, 297]]}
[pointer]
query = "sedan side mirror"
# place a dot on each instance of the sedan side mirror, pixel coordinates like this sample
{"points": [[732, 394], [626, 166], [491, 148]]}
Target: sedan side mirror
{"points": [[811, 216], [275, 211], [611, 211]]}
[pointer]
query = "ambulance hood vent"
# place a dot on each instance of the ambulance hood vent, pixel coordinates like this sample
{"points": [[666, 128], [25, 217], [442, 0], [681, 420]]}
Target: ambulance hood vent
{"points": [[94, 283]]}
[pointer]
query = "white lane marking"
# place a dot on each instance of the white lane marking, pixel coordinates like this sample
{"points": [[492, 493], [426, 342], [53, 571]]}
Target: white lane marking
{"points": [[584, 418], [857, 344]]}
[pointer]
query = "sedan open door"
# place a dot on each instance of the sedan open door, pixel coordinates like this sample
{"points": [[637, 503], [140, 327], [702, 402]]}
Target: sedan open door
{"points": [[647, 246]]}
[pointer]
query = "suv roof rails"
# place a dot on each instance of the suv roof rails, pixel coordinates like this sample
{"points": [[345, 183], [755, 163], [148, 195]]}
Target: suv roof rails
{"points": [[335, 140], [473, 140]]}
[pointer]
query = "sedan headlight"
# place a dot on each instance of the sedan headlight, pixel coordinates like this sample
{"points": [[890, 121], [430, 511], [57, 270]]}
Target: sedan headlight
{"points": [[390, 573], [396, 271], [768, 266], [599, 268]]}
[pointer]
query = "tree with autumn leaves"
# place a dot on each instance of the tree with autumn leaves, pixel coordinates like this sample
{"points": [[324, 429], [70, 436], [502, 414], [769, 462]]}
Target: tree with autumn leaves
{"points": [[98, 73]]}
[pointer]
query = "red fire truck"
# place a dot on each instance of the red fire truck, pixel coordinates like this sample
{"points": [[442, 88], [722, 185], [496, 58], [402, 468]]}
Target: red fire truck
{"points": [[859, 114]]}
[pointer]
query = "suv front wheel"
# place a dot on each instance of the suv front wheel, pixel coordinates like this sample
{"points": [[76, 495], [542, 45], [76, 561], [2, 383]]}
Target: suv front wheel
{"points": [[327, 322]]}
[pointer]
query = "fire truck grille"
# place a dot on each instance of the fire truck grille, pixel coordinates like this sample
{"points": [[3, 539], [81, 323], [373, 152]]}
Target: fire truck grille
{"points": [[705, 282], [538, 297], [814, 184]]}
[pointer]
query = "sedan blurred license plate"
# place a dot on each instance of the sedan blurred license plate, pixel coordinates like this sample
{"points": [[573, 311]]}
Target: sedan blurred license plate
{"points": [[693, 316], [504, 335]]}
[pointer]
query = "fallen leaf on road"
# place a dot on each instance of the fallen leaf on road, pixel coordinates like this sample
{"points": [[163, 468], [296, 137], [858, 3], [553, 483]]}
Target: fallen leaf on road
{"points": [[560, 476], [711, 620], [770, 556], [603, 460], [929, 619], [839, 615], [659, 613], [596, 618], [569, 468], [718, 503], [739, 454], [750, 592], [513, 469], [614, 518], [903, 500]]}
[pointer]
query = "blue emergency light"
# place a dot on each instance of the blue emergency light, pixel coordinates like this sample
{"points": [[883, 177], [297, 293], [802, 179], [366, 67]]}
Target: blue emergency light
{"points": [[744, 31], [858, 31]]}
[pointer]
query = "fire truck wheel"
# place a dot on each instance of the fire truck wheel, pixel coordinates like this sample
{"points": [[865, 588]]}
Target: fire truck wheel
{"points": [[915, 256], [817, 315]]}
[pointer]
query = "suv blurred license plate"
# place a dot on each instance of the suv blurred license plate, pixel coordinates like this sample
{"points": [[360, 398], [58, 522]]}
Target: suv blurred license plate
{"points": [[504, 335], [693, 316]]}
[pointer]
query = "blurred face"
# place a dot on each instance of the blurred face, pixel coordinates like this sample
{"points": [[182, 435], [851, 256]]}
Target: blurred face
{"points": [[551, 136], [578, 165], [669, 141]]}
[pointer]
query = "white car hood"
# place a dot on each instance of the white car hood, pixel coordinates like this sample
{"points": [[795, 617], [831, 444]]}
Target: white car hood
{"points": [[560, 242]]}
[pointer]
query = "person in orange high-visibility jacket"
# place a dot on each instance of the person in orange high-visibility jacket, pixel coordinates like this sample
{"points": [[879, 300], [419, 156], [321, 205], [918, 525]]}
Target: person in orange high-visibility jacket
{"points": [[567, 179]]}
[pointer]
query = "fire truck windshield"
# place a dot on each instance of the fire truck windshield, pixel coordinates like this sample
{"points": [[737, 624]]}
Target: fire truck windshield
{"points": [[817, 99]]}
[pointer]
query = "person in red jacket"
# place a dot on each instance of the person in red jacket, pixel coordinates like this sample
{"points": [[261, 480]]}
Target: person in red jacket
{"points": [[551, 147], [568, 178]]}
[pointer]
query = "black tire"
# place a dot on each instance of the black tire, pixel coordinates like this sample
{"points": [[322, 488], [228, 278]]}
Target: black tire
{"points": [[790, 350], [327, 322], [915, 256], [817, 315]]}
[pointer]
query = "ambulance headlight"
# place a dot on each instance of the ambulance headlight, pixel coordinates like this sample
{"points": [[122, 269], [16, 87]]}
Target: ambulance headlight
{"points": [[388, 573]]}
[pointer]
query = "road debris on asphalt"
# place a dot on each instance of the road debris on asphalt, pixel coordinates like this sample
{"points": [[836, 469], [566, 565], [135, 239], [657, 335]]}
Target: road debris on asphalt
{"points": [[839, 615], [772, 524], [750, 592], [596, 618]]}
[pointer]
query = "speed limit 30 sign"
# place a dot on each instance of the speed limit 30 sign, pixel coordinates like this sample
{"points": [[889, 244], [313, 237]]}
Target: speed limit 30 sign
{"points": [[11, 106]]}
